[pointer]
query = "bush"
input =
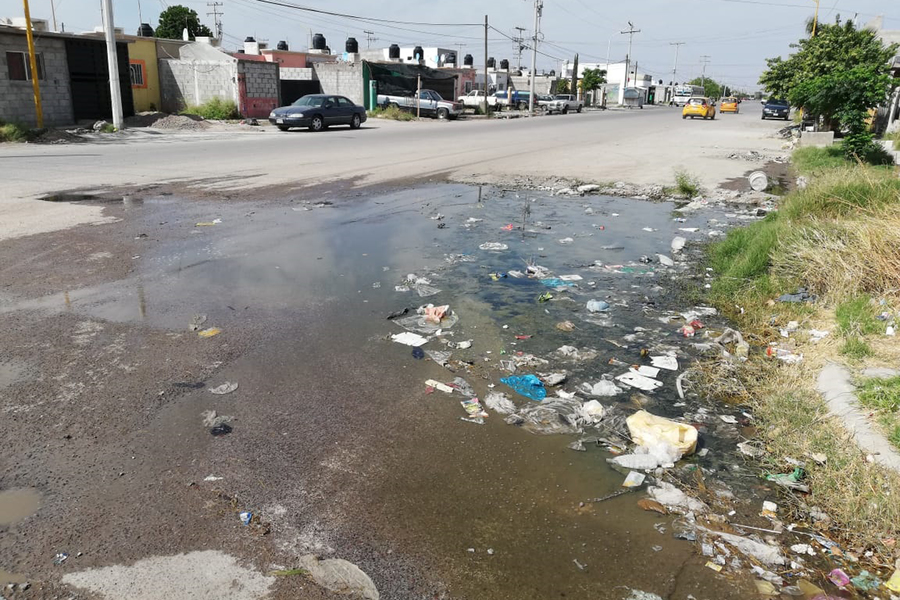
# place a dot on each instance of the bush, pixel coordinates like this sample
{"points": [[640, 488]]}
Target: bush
{"points": [[15, 132], [686, 184], [393, 113], [217, 109]]}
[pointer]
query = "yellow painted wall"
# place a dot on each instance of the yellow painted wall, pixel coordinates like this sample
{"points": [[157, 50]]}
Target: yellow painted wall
{"points": [[145, 98]]}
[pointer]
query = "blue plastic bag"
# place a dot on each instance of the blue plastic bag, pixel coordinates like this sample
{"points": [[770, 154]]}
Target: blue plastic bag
{"points": [[555, 282], [527, 385]]}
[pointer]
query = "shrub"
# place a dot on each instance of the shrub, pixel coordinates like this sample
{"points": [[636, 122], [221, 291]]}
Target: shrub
{"points": [[216, 108], [686, 184], [15, 132]]}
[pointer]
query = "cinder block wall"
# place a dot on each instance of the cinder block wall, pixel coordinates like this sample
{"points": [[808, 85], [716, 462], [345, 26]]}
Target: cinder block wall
{"points": [[179, 88], [297, 74], [17, 97], [261, 88], [344, 79]]}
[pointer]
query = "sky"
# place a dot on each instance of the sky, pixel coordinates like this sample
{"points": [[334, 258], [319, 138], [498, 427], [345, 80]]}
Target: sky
{"points": [[733, 37]]}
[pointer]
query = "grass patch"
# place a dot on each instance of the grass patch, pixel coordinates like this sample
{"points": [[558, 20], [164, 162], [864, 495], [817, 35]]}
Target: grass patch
{"points": [[880, 394], [895, 137], [216, 109], [855, 348], [15, 132], [856, 316], [394, 113], [809, 160], [108, 128], [686, 184]]}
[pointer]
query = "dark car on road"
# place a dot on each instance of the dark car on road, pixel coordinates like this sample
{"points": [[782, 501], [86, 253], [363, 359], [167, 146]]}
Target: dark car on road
{"points": [[776, 109], [318, 111]]}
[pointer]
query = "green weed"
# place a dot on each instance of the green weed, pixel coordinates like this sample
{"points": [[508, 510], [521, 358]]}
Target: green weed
{"points": [[394, 113], [809, 160], [855, 348], [15, 132], [686, 184], [216, 108], [880, 394], [856, 316]]}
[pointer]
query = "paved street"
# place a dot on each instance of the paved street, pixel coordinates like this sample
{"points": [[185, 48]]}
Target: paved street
{"points": [[636, 146]]}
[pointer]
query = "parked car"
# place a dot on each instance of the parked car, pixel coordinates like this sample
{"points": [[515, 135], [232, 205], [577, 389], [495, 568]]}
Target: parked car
{"points": [[549, 104], [318, 111], [512, 99], [475, 98], [572, 102], [699, 107], [729, 104], [776, 109], [428, 103]]}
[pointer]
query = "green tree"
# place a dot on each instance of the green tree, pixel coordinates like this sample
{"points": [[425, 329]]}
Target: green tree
{"points": [[713, 89], [840, 74], [835, 48], [591, 79], [174, 19], [562, 86]]}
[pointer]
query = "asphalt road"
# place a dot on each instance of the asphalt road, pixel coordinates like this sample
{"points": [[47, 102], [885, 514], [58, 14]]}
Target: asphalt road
{"points": [[635, 146]]}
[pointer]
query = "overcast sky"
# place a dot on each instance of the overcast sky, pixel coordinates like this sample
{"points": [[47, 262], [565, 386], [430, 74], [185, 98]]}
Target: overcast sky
{"points": [[736, 35]]}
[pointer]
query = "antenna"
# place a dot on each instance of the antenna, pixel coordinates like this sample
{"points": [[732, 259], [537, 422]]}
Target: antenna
{"points": [[216, 16], [518, 46], [370, 37]]}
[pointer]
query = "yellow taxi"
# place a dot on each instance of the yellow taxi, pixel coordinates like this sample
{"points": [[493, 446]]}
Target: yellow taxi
{"points": [[699, 107], [729, 105]]}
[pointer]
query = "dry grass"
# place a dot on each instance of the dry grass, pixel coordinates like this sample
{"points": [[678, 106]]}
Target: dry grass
{"points": [[841, 258]]}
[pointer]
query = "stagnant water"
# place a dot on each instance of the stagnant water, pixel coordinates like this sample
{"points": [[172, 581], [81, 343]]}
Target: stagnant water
{"points": [[499, 512]]}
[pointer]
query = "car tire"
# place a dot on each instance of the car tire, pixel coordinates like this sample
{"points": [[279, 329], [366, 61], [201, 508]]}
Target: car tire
{"points": [[578, 110], [317, 123], [565, 110], [443, 114], [787, 118], [684, 116], [283, 127], [355, 122]]}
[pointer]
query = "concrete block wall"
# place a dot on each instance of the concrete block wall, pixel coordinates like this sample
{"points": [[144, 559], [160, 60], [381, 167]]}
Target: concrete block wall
{"points": [[17, 97], [184, 82], [297, 74], [261, 78], [344, 79]]}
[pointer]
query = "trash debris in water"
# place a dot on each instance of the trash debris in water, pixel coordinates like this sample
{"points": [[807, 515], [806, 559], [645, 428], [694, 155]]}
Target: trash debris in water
{"points": [[635, 380], [225, 388], [439, 386], [665, 260], [839, 578], [493, 246], [246, 517], [498, 402], [526, 385], [678, 244], [650, 431], [463, 386], [208, 333], [597, 306], [602, 388], [409, 338], [473, 408], [634, 479], [664, 362], [593, 411], [418, 353]]}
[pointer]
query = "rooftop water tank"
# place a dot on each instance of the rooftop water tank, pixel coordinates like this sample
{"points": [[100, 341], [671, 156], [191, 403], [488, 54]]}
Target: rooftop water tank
{"points": [[282, 45], [145, 30], [491, 63], [394, 51], [351, 46], [504, 64], [418, 53], [318, 42], [468, 60]]}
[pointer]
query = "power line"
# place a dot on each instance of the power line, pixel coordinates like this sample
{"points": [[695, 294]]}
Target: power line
{"points": [[367, 19]]}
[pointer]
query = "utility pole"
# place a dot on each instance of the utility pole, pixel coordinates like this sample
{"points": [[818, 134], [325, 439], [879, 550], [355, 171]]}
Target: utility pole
{"points": [[631, 31], [216, 14], [538, 7], [370, 37], [815, 19], [32, 60], [53, 13], [485, 64], [675, 66], [112, 61], [518, 46], [705, 60]]}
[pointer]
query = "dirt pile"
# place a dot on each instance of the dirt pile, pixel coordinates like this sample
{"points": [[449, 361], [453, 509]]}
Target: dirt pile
{"points": [[181, 123]]}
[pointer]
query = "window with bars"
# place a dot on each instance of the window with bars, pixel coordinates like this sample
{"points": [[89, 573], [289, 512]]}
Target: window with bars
{"points": [[137, 74]]}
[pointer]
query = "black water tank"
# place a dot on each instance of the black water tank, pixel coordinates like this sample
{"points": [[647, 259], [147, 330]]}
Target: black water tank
{"points": [[145, 30], [451, 59], [418, 53], [249, 38], [468, 60], [318, 42], [504, 65], [552, 73], [352, 46], [491, 63], [394, 51], [282, 45]]}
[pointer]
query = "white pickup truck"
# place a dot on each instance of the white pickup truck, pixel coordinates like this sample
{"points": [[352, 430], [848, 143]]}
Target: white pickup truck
{"points": [[572, 103], [429, 103], [475, 98]]}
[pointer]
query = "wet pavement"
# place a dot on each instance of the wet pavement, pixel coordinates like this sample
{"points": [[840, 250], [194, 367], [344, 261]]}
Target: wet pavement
{"points": [[335, 442]]}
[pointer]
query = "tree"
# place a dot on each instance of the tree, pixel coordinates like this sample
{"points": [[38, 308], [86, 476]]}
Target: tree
{"points": [[711, 87], [591, 79], [562, 86], [174, 19], [840, 74], [835, 48]]}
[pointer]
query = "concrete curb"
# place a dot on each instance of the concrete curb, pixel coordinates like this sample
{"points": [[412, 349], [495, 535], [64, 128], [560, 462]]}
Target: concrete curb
{"points": [[836, 388]]}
